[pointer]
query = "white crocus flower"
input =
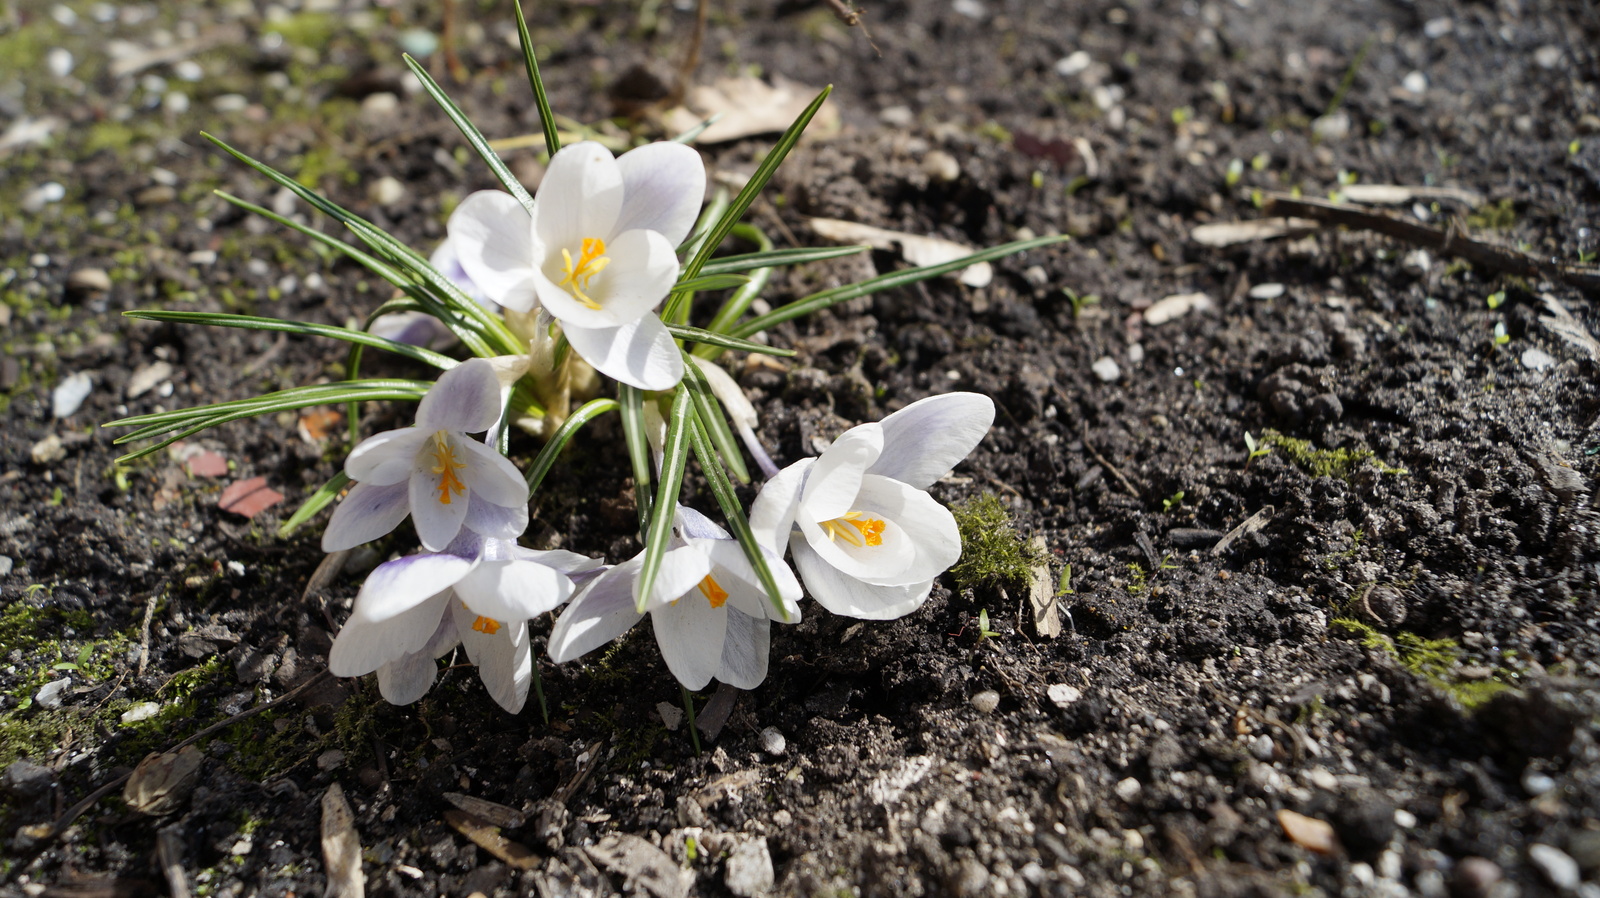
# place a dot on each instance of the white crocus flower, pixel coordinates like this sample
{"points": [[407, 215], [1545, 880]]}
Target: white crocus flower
{"points": [[867, 539], [422, 329], [710, 615], [598, 252], [480, 594], [433, 471]]}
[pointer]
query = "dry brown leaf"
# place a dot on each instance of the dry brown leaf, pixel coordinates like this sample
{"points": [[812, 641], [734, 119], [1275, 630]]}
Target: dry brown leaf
{"points": [[341, 847], [162, 781], [1564, 325], [916, 249], [488, 811], [1042, 595], [748, 106], [487, 836]]}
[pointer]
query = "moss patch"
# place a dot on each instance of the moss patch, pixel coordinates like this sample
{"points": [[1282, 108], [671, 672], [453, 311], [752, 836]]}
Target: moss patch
{"points": [[1340, 463], [1435, 660], [992, 551]]}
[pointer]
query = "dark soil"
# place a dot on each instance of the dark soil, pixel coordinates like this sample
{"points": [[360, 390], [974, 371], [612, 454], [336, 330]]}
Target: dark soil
{"points": [[1407, 650]]}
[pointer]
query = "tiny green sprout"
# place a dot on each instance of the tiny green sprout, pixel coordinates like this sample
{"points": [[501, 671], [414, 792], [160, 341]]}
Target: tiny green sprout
{"points": [[56, 497], [1574, 147], [1346, 178], [1256, 449], [1182, 114], [983, 625], [1235, 172], [1585, 256], [1260, 161], [1064, 586], [1258, 199], [1496, 298], [1501, 338], [1167, 505], [691, 849], [1167, 563], [1077, 184], [34, 590], [1038, 179], [119, 476], [1079, 303]]}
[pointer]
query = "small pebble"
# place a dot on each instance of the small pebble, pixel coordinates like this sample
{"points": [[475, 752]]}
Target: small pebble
{"points": [[1129, 789], [147, 378], [1261, 747], [986, 701], [1135, 353], [1437, 28], [1266, 291], [941, 166], [89, 280], [48, 451], [1556, 866], [203, 257], [1535, 359], [330, 760], [972, 9], [26, 779], [6, 563], [1475, 876], [230, 102], [59, 61], [49, 695], [175, 102], [43, 195], [386, 191], [772, 741], [1062, 695], [1548, 56], [419, 42], [1074, 63], [1415, 82], [1536, 783], [141, 711], [1309, 833], [671, 715], [897, 116], [1107, 369], [1332, 127], [68, 395], [1404, 818], [188, 70]]}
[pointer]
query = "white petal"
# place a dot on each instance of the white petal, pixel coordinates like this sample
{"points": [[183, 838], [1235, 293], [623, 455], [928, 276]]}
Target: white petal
{"points": [[925, 440], [690, 636], [663, 185], [366, 513], [514, 590], [694, 525], [407, 678], [773, 512], [641, 269], [641, 354], [601, 612], [465, 399], [448, 263], [366, 644], [927, 526], [560, 559], [579, 197], [436, 510], [836, 477], [493, 239], [396, 587], [681, 570], [494, 521], [728, 392], [847, 596], [502, 652], [737, 577], [385, 458], [745, 650], [491, 475]]}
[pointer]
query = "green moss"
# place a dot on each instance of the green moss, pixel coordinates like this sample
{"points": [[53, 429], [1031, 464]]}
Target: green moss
{"points": [[1494, 217], [312, 30], [1340, 463], [992, 552], [1434, 660]]}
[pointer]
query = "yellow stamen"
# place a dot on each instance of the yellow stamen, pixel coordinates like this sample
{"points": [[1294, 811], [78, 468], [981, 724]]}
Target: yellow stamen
{"points": [[591, 262], [713, 591], [488, 626], [446, 465], [856, 529]]}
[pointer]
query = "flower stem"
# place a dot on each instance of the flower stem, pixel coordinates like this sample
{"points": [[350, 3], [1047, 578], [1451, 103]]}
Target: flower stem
{"points": [[688, 708]]}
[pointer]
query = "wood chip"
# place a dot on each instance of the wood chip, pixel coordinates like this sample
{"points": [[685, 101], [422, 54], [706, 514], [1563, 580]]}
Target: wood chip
{"points": [[1042, 596], [1230, 233], [1396, 194], [1564, 325], [341, 847], [488, 811], [642, 866], [1309, 832], [1251, 524], [714, 715], [916, 249], [169, 852], [1171, 308], [487, 836]]}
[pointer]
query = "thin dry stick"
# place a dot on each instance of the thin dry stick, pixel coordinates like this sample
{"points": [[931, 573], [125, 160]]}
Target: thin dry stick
{"points": [[852, 16], [72, 813], [691, 59], [1477, 252], [1110, 467]]}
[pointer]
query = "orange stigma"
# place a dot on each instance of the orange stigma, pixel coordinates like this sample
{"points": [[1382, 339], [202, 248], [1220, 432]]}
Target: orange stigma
{"points": [[485, 625], [713, 591], [591, 262], [446, 465]]}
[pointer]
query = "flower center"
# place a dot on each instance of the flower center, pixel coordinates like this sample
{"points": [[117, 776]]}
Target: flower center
{"points": [[488, 626], [856, 529], [446, 466], [591, 262], [713, 591]]}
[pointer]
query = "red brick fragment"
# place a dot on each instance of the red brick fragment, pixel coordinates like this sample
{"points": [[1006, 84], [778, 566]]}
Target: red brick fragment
{"points": [[248, 498]]}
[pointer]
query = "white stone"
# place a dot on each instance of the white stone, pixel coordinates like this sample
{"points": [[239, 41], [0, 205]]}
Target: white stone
{"points": [[1073, 64], [1062, 695], [1129, 789], [1548, 56], [1536, 359], [986, 701], [148, 378], [671, 715], [1266, 291], [1556, 866], [49, 695], [772, 741], [1333, 126], [68, 395], [386, 191], [972, 9], [43, 195], [1415, 82], [141, 711], [59, 61], [748, 871], [1107, 369]]}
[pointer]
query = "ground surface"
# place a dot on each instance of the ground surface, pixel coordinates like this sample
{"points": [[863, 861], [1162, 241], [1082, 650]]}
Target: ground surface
{"points": [[1406, 651]]}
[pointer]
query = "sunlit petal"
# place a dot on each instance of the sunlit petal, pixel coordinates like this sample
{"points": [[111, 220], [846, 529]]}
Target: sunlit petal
{"points": [[925, 440], [492, 235], [663, 187], [367, 513]]}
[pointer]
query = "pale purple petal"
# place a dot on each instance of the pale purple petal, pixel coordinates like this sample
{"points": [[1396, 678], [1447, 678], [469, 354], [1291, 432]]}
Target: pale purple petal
{"points": [[502, 651], [437, 508], [579, 197], [407, 678], [492, 235], [494, 521], [745, 649], [836, 477], [690, 634], [465, 399], [385, 458], [413, 329], [366, 644], [601, 612], [663, 185], [367, 513], [397, 586], [491, 476], [694, 525], [641, 354], [566, 562], [447, 262], [927, 438], [847, 596]]}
